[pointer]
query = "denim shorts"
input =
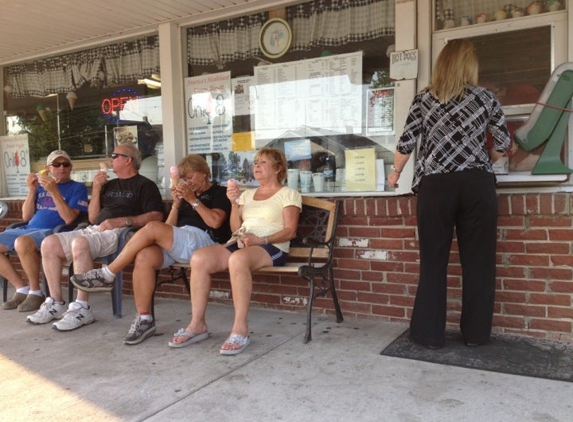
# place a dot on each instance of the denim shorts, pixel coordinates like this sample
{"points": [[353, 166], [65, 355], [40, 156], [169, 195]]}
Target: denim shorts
{"points": [[186, 240], [8, 237], [278, 257]]}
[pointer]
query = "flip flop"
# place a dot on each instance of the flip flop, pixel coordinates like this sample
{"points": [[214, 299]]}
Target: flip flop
{"points": [[191, 338], [235, 340]]}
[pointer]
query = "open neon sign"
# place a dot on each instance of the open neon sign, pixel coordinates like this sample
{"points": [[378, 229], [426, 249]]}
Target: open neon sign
{"points": [[111, 106]]}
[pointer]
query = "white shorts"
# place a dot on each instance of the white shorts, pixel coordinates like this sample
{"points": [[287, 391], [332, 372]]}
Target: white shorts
{"points": [[102, 243], [186, 240]]}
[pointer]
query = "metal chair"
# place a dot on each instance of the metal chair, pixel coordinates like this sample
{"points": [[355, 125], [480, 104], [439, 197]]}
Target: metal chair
{"points": [[3, 209]]}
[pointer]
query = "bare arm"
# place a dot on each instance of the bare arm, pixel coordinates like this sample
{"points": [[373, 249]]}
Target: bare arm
{"points": [[400, 161], [29, 205], [94, 207], [235, 221], [495, 155]]}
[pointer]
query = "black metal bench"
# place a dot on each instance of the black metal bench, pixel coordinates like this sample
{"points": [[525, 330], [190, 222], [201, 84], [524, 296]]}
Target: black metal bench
{"points": [[310, 256]]}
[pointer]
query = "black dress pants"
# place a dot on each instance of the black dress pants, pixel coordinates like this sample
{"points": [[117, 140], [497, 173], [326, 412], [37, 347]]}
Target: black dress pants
{"points": [[465, 201]]}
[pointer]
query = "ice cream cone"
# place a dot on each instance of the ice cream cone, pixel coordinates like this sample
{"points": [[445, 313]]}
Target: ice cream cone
{"points": [[42, 112], [72, 97], [103, 167], [43, 172], [174, 171]]}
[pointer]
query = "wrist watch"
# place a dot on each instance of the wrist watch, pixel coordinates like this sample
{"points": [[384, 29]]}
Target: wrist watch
{"points": [[128, 221], [396, 170], [195, 203]]}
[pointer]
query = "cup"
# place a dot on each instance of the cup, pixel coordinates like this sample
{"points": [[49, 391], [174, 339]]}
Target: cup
{"points": [[318, 181], [341, 179], [292, 178], [305, 180]]}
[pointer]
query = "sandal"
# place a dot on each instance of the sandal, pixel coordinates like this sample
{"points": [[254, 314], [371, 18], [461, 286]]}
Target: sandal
{"points": [[238, 344], [191, 338]]}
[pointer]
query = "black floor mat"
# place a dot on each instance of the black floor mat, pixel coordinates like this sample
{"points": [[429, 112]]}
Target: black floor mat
{"points": [[505, 353]]}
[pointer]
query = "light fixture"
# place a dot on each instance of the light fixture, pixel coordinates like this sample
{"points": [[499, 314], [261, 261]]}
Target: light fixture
{"points": [[154, 82], [8, 89], [71, 96]]}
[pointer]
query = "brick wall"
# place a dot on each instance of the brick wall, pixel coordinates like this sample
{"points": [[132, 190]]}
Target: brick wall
{"points": [[376, 266]]}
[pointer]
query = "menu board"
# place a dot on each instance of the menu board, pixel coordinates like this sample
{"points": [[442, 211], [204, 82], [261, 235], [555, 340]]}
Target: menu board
{"points": [[324, 93], [380, 111], [209, 108]]}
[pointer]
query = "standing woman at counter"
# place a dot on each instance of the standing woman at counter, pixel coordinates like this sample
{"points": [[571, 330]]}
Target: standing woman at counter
{"points": [[455, 183]]}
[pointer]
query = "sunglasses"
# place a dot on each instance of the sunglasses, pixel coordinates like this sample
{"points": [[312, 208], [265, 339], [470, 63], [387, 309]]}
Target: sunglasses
{"points": [[114, 155], [58, 165]]}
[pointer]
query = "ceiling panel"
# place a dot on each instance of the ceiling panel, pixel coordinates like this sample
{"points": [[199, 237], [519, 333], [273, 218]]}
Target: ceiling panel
{"points": [[39, 28]]}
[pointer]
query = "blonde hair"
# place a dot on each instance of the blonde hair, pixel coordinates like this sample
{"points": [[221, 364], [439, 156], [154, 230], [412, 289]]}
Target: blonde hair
{"points": [[277, 158], [193, 163], [456, 68]]}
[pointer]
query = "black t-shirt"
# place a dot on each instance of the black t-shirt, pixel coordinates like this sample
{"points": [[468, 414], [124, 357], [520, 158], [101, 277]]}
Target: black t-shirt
{"points": [[129, 197], [214, 197]]}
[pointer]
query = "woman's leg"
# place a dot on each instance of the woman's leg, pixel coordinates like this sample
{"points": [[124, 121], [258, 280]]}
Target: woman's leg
{"points": [[436, 217], [241, 265], [204, 262], [153, 233], [147, 261], [476, 231]]}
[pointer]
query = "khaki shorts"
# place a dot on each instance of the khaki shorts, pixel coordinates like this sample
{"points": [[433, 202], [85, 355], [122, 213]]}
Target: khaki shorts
{"points": [[101, 243]]}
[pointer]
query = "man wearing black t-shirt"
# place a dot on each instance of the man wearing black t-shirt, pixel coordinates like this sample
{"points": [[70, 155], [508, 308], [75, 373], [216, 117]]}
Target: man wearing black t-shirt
{"points": [[129, 200]]}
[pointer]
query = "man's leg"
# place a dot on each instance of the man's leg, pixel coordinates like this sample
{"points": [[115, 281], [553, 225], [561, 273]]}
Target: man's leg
{"points": [[147, 261], [29, 254], [79, 312], [53, 259], [8, 271]]}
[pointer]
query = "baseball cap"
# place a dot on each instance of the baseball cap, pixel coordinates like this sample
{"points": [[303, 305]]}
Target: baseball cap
{"points": [[55, 154]]}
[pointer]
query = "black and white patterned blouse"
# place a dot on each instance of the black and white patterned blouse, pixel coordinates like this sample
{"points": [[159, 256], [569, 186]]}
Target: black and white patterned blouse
{"points": [[453, 135]]}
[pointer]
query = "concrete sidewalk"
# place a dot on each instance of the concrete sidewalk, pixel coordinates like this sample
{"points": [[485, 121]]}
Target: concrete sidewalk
{"points": [[89, 375]]}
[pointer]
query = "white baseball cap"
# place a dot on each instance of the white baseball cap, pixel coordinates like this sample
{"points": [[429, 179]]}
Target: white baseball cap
{"points": [[55, 154]]}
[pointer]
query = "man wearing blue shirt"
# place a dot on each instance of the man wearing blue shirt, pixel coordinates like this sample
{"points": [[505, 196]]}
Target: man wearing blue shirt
{"points": [[53, 199]]}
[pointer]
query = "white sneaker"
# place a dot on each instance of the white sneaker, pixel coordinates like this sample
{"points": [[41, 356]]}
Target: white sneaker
{"points": [[75, 317], [48, 311]]}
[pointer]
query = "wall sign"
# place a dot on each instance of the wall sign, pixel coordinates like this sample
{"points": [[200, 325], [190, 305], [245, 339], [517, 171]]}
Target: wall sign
{"points": [[404, 64], [111, 106]]}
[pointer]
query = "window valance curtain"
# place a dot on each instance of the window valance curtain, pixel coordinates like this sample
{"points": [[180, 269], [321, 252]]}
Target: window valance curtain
{"points": [[315, 23], [119, 63]]}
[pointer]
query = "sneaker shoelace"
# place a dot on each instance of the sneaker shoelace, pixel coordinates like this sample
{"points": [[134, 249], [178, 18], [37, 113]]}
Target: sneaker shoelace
{"points": [[73, 311], [135, 326], [93, 275]]}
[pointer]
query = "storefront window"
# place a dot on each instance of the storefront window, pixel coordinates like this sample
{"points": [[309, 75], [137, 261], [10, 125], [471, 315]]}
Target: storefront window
{"points": [[86, 103], [462, 13], [322, 95], [517, 59]]}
